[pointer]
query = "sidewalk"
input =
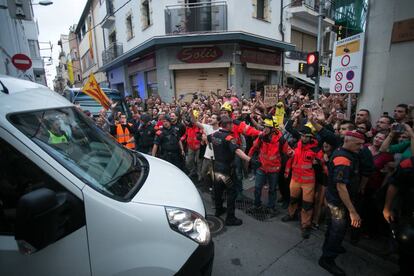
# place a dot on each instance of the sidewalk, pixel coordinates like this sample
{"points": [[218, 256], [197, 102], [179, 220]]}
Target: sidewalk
{"points": [[272, 247]]}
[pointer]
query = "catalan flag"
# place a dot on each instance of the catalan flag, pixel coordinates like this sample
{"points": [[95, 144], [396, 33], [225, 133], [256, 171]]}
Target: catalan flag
{"points": [[92, 89]]}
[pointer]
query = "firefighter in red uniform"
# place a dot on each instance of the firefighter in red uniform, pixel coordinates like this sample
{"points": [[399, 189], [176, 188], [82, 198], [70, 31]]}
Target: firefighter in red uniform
{"points": [[307, 154], [124, 132], [193, 138], [268, 147]]}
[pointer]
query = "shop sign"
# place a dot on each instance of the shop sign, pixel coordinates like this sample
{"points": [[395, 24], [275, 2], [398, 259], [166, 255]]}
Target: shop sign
{"points": [[260, 57], [403, 31], [270, 95], [199, 54]]}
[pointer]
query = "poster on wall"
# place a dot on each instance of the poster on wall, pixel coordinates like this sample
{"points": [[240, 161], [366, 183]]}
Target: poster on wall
{"points": [[346, 69]]}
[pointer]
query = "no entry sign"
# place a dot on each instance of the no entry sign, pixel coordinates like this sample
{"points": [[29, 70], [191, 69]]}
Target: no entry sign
{"points": [[22, 62]]}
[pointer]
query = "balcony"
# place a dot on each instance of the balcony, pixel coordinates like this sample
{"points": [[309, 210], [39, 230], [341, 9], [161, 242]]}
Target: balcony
{"points": [[109, 19], [196, 18], [112, 52], [309, 10]]}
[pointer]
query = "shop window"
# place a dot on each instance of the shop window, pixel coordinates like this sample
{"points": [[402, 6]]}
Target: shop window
{"points": [[261, 9], [129, 27], [146, 13]]}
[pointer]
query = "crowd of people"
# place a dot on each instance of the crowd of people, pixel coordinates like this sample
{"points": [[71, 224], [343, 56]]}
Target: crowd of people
{"points": [[311, 157]]}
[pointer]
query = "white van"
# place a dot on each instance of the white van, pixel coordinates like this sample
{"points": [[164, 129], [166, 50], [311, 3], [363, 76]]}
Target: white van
{"points": [[75, 202]]}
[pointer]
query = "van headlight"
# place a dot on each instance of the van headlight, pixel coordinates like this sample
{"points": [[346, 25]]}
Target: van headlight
{"points": [[189, 223]]}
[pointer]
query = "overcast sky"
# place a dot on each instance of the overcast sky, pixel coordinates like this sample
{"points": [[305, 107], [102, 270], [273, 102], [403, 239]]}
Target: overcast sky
{"points": [[55, 20]]}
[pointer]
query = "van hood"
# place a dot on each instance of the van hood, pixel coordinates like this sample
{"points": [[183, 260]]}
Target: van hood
{"points": [[167, 185]]}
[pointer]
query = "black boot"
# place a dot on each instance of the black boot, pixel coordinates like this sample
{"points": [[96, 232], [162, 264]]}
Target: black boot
{"points": [[287, 218], [306, 233], [220, 211], [331, 267], [233, 221]]}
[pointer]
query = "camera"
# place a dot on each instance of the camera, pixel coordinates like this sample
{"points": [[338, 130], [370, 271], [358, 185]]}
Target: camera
{"points": [[398, 128], [308, 105]]}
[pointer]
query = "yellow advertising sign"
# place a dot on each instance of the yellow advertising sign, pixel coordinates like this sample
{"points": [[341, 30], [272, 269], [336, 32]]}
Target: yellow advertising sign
{"points": [[351, 47]]}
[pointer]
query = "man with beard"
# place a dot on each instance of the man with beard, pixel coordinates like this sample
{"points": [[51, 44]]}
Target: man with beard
{"points": [[176, 124]]}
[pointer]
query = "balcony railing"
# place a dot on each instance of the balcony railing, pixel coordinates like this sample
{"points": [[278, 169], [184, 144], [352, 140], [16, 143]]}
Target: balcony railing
{"points": [[328, 10], [196, 18], [112, 52]]}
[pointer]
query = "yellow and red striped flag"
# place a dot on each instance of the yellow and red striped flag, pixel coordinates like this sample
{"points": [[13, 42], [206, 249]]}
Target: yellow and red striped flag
{"points": [[92, 89]]}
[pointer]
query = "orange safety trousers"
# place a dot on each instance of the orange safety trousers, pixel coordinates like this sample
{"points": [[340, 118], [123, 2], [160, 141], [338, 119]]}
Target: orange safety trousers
{"points": [[308, 194]]}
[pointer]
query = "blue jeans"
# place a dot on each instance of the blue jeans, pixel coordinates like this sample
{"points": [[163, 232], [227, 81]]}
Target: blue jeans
{"points": [[272, 180], [336, 231]]}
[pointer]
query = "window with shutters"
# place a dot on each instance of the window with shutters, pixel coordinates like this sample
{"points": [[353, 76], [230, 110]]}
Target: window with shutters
{"points": [[129, 27], [261, 9], [303, 42], [146, 14]]}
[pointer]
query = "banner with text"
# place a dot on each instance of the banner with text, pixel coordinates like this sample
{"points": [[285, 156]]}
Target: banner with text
{"points": [[270, 95]]}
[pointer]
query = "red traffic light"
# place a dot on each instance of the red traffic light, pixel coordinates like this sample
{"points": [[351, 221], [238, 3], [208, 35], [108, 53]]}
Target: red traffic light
{"points": [[311, 58]]}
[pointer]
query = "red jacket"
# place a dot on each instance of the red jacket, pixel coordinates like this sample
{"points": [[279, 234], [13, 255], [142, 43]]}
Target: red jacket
{"points": [[269, 152], [191, 137], [241, 128], [302, 162]]}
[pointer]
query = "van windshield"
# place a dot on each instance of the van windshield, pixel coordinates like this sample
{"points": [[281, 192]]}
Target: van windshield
{"points": [[80, 146]]}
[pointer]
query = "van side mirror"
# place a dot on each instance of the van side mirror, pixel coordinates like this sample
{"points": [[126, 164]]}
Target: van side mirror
{"points": [[38, 219]]}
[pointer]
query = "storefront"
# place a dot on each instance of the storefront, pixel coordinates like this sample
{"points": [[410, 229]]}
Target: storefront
{"points": [[142, 76], [179, 66]]}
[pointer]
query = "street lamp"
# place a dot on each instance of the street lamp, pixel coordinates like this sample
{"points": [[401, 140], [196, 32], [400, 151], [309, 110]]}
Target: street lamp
{"points": [[43, 3]]}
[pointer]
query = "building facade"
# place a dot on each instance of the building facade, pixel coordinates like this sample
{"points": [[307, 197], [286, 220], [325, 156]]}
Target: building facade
{"points": [[388, 63], [90, 41], [302, 16], [173, 48], [19, 34]]}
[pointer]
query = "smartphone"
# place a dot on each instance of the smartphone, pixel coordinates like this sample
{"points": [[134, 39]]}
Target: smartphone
{"points": [[307, 105], [398, 128]]}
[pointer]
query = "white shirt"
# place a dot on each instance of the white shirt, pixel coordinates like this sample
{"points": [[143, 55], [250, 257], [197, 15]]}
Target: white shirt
{"points": [[208, 129]]}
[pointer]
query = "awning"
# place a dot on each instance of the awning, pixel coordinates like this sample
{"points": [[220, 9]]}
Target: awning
{"points": [[194, 39], [324, 82]]}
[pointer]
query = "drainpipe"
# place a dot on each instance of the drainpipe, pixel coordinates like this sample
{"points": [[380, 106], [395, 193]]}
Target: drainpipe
{"points": [[282, 33]]}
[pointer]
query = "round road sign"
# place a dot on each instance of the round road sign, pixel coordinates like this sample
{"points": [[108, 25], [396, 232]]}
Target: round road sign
{"points": [[339, 76], [338, 87], [346, 59], [349, 86], [350, 75], [21, 62]]}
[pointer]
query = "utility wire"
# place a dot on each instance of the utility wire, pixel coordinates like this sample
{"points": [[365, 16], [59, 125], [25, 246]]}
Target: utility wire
{"points": [[100, 23]]}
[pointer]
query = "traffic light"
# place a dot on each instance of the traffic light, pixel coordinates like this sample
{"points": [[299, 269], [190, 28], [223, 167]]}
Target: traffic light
{"points": [[312, 66], [302, 68]]}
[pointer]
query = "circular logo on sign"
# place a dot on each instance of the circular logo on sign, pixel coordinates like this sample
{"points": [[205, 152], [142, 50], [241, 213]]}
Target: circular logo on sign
{"points": [[350, 75], [346, 59], [338, 87], [349, 86], [339, 76]]}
